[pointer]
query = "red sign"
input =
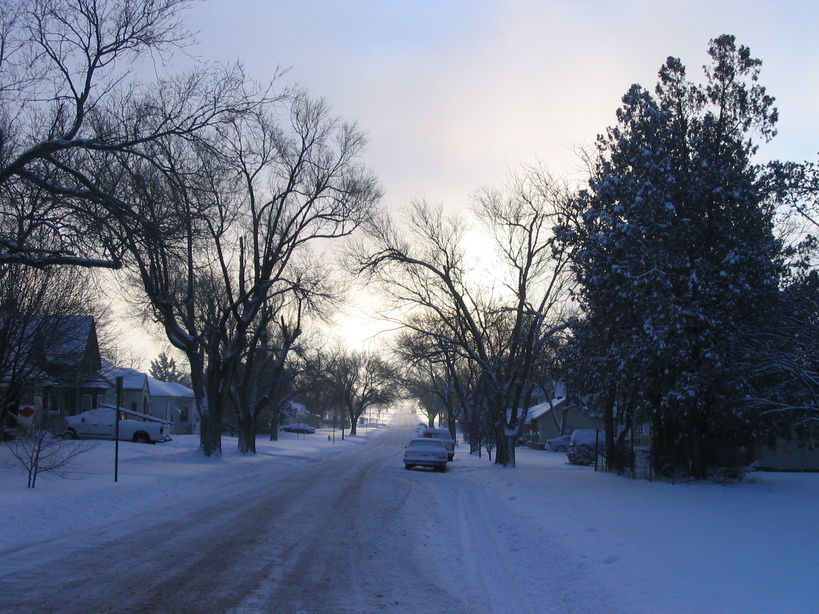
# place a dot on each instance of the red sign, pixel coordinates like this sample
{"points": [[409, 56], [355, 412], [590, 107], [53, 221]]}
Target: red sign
{"points": [[27, 411]]}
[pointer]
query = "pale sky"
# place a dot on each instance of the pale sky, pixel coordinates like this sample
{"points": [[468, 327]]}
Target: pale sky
{"points": [[455, 93]]}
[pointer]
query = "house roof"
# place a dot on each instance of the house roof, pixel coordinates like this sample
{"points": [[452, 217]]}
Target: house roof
{"points": [[168, 389], [542, 409], [135, 380], [98, 383], [70, 338], [131, 378]]}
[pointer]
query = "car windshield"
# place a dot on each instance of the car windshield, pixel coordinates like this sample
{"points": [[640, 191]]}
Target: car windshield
{"points": [[437, 435], [432, 444]]}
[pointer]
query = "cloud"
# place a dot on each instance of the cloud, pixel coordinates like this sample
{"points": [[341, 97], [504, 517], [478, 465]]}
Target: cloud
{"points": [[452, 94]]}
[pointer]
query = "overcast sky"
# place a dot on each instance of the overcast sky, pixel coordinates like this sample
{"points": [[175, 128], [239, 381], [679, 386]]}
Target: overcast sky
{"points": [[453, 93]]}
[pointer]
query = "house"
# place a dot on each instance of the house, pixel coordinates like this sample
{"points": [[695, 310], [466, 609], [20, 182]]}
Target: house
{"points": [[69, 379], [175, 403], [167, 401], [794, 454], [557, 417], [135, 394]]}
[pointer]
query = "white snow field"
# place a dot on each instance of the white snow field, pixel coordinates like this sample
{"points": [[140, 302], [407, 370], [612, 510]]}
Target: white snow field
{"points": [[315, 527]]}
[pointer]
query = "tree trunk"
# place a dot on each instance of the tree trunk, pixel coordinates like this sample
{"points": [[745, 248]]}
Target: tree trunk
{"points": [[614, 461], [274, 425], [451, 424], [210, 439], [210, 436], [353, 423], [247, 433], [698, 436], [505, 448]]}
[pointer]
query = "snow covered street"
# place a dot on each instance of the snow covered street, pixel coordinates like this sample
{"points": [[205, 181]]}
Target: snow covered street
{"points": [[311, 527]]}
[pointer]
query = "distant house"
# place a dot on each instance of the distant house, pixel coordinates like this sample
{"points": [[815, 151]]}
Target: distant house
{"points": [[175, 403], [779, 454], [557, 417], [144, 394], [135, 393]]}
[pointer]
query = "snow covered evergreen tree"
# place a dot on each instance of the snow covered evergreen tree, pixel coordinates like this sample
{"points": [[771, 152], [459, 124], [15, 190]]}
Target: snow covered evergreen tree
{"points": [[165, 370], [677, 261]]}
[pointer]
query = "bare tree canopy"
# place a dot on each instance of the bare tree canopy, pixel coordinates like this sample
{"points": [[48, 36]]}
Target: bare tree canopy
{"points": [[230, 220], [70, 103], [361, 380], [504, 332]]}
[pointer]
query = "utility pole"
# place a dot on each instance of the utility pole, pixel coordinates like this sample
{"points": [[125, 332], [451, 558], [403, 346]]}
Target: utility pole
{"points": [[116, 428]]}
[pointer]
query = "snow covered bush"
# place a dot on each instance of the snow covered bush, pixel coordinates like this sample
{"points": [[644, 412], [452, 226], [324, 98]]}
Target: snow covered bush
{"points": [[582, 455]]}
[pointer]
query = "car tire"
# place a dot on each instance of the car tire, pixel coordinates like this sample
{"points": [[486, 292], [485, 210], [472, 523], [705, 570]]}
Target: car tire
{"points": [[441, 468], [69, 435], [560, 449], [407, 466], [141, 438]]}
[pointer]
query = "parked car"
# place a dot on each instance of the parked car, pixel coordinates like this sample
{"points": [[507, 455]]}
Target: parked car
{"points": [[100, 424], [444, 436], [298, 427], [588, 437], [559, 444], [426, 452]]}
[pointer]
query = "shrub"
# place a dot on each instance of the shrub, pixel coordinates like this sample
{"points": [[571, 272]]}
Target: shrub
{"points": [[582, 455]]}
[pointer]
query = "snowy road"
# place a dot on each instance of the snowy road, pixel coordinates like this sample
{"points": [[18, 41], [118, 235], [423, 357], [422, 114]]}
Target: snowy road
{"points": [[353, 533]]}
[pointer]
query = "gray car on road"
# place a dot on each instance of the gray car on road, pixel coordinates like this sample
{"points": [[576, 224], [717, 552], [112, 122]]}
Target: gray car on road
{"points": [[425, 452]]}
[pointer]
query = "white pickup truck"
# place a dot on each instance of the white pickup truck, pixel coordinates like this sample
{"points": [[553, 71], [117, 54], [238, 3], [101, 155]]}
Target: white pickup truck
{"points": [[100, 424]]}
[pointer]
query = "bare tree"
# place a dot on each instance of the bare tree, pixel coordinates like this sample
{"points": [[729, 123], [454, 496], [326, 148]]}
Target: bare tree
{"points": [[431, 374], [362, 380], [228, 223], [504, 329], [41, 449], [268, 377], [70, 105]]}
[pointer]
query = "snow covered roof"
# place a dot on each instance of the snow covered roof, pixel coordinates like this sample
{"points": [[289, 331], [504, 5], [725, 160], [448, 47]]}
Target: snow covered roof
{"points": [[69, 338], [542, 409], [131, 378], [98, 383], [168, 389]]}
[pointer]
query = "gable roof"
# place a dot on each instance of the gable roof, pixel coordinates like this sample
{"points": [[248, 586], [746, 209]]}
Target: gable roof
{"points": [[168, 389], [542, 409], [69, 339], [131, 378], [135, 380]]}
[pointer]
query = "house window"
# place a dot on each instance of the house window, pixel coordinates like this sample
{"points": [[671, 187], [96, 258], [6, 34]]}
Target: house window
{"points": [[133, 406], [183, 414], [87, 402]]}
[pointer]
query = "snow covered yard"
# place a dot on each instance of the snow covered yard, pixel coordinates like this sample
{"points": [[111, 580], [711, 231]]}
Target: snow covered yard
{"points": [[692, 547], [654, 547], [149, 476]]}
